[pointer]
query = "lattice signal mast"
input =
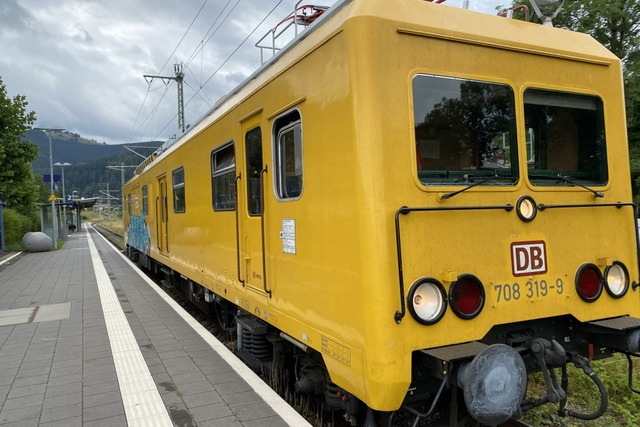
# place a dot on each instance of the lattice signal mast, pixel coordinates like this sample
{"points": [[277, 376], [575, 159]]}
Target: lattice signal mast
{"points": [[179, 78]]}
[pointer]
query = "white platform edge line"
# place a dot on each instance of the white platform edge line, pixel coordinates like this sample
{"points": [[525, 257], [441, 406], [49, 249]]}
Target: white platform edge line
{"points": [[10, 258], [120, 334], [271, 398]]}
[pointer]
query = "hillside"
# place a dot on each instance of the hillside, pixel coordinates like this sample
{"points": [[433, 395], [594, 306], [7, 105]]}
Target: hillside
{"points": [[88, 173]]}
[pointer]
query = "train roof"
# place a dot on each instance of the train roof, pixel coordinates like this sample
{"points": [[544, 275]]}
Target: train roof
{"points": [[422, 18]]}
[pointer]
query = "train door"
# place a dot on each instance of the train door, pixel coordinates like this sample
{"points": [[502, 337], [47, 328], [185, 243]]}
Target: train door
{"points": [[253, 179], [162, 215]]}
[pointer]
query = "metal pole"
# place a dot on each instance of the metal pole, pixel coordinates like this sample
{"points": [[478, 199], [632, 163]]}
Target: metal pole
{"points": [[64, 201], [2, 203], [64, 194], [54, 215]]}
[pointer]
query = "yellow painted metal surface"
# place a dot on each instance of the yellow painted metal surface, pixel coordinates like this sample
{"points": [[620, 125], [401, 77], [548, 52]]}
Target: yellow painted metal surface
{"points": [[351, 82]]}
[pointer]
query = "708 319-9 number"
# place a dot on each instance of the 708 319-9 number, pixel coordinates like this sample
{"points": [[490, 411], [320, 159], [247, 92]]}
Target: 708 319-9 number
{"points": [[530, 289]]}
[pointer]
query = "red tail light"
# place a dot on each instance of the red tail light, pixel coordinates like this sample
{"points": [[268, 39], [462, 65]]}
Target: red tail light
{"points": [[466, 296], [589, 282]]}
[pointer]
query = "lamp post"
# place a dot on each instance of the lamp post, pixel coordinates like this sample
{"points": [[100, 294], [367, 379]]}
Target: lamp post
{"points": [[52, 197], [64, 195]]}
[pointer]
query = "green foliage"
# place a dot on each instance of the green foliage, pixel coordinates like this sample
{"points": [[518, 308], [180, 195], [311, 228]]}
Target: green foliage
{"points": [[16, 153], [15, 226], [624, 405]]}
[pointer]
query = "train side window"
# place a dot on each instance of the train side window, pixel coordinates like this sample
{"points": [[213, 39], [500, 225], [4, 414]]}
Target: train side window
{"points": [[223, 178], [464, 130], [253, 142], [145, 200], [129, 204], [288, 156], [179, 202], [567, 137]]}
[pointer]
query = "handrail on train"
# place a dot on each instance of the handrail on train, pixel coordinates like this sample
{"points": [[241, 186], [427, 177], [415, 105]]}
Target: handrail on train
{"points": [[301, 16]]}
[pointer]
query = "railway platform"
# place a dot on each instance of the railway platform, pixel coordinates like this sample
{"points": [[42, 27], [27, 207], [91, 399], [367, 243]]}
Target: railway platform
{"points": [[86, 340]]}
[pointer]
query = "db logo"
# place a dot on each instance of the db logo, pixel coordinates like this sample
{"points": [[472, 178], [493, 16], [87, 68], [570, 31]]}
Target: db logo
{"points": [[528, 258]]}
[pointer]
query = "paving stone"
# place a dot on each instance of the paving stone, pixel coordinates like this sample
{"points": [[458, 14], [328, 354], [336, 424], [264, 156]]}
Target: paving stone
{"points": [[63, 400], [103, 411], [210, 412], [196, 388], [62, 389], [29, 390], [69, 370], [101, 399], [253, 412], [118, 420], [19, 402], [101, 388], [20, 414], [265, 422], [64, 379], [201, 399], [61, 412], [67, 422]]}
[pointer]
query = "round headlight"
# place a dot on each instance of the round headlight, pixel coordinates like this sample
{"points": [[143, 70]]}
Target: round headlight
{"points": [[427, 301], [589, 282], [616, 278], [526, 208]]}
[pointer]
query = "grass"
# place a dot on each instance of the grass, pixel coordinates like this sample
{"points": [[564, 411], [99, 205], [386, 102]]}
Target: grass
{"points": [[624, 405]]}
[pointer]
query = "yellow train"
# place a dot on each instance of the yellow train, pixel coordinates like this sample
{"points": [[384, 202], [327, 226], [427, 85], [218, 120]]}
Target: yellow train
{"points": [[418, 204]]}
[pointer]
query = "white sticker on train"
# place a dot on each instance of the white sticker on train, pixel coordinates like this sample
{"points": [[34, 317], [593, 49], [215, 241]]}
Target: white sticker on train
{"points": [[288, 236]]}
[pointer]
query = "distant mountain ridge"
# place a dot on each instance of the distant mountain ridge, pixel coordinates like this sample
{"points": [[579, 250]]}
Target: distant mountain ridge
{"points": [[69, 147], [88, 173]]}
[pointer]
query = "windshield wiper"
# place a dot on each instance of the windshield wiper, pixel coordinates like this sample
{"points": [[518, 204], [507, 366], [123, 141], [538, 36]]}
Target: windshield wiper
{"points": [[470, 178], [568, 180]]}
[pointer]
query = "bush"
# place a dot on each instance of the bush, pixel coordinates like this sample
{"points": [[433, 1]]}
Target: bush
{"points": [[15, 226]]}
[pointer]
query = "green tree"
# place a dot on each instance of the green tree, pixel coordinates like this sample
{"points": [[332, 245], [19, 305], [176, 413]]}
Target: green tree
{"points": [[17, 153]]}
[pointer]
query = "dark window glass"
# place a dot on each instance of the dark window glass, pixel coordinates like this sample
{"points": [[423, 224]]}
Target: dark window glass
{"points": [[223, 178], [465, 130], [145, 200], [253, 141], [179, 202], [565, 138], [288, 156]]}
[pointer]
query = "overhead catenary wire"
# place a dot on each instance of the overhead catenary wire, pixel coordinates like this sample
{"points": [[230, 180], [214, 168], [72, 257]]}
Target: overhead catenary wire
{"points": [[200, 92], [130, 137]]}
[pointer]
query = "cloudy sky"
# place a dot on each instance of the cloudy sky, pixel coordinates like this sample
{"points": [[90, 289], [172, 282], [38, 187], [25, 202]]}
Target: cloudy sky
{"points": [[80, 63]]}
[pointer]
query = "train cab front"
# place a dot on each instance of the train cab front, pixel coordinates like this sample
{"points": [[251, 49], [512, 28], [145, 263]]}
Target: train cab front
{"points": [[482, 330]]}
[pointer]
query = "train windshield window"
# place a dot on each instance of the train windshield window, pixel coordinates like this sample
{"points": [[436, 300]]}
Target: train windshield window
{"points": [[179, 203], [465, 130], [288, 156], [223, 177], [145, 200], [565, 138]]}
